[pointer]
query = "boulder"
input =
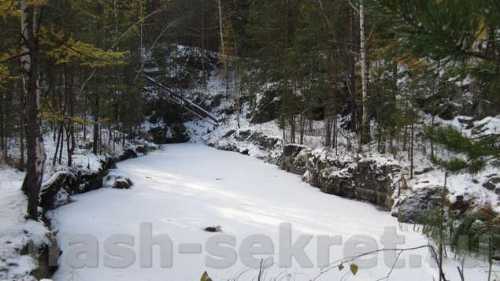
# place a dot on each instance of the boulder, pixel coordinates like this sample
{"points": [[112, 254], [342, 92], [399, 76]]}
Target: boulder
{"points": [[225, 146], [122, 183], [127, 154], [58, 189], [337, 182], [242, 135], [364, 181], [292, 150], [228, 134], [415, 207], [242, 140], [90, 181], [288, 160], [117, 181], [424, 171], [299, 164], [264, 142], [141, 149], [492, 183], [146, 147]]}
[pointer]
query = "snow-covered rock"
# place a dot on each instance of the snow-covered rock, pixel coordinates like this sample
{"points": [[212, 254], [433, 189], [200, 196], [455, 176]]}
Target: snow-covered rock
{"points": [[366, 180], [416, 206], [248, 142], [117, 181], [57, 190]]}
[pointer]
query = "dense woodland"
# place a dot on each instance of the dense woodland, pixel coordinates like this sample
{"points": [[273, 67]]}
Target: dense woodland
{"points": [[72, 70], [363, 76]]}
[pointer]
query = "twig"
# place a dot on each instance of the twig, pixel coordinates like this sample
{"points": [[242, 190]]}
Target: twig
{"points": [[392, 267], [342, 261], [261, 269]]}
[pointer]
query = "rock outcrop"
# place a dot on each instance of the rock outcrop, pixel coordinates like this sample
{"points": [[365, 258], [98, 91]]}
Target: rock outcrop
{"points": [[416, 206], [247, 142], [57, 191], [365, 180]]}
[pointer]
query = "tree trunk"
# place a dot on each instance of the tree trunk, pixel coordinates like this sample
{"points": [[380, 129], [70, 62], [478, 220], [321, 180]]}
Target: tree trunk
{"points": [[365, 126], [95, 144], [432, 138], [331, 112], [70, 138], [223, 47], [21, 144], [29, 63], [2, 129], [61, 147], [335, 134], [292, 128], [58, 144], [21, 125], [302, 128], [328, 131], [412, 148]]}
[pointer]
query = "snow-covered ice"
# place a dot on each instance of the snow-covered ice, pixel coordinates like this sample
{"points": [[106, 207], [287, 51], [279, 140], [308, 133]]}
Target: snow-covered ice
{"points": [[184, 188]]}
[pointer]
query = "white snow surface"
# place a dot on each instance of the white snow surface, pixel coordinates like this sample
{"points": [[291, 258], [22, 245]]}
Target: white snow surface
{"points": [[15, 230], [470, 186], [184, 188]]}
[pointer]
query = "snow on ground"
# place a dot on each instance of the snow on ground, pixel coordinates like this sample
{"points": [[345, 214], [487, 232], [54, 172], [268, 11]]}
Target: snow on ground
{"points": [[15, 231], [470, 186], [464, 184], [185, 188], [470, 128]]}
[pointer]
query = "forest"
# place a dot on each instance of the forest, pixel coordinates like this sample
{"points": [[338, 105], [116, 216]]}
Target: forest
{"points": [[394, 103]]}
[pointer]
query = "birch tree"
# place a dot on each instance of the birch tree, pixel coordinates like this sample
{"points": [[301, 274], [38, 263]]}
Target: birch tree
{"points": [[365, 126]]}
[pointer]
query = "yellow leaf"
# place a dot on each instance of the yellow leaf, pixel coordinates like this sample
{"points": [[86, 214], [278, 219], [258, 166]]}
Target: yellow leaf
{"points": [[354, 269], [205, 277]]}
